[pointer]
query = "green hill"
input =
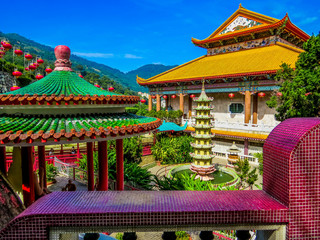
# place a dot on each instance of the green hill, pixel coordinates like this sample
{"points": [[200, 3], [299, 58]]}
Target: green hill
{"points": [[126, 81]]}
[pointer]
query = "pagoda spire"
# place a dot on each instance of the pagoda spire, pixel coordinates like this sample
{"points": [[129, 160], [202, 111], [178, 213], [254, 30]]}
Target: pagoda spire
{"points": [[202, 156]]}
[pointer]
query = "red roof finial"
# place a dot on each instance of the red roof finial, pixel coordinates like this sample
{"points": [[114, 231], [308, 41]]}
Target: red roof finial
{"points": [[63, 55]]}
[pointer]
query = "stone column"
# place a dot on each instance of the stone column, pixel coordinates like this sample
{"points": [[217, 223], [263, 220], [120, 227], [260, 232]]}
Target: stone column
{"points": [[181, 103], [103, 166], [255, 109], [90, 167], [150, 103], [206, 235], [247, 108], [27, 176], [42, 166], [120, 173], [158, 103], [169, 236], [3, 160]]}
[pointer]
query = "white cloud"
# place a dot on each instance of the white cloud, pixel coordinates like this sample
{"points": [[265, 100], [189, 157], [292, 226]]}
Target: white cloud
{"points": [[128, 55], [95, 55]]}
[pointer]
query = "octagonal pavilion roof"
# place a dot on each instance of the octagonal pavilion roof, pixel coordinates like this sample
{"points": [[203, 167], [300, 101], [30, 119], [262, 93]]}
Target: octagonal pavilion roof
{"points": [[64, 107]]}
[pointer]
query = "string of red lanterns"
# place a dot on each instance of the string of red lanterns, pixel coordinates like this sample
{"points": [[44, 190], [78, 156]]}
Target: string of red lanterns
{"points": [[143, 101], [173, 96], [164, 96], [261, 94], [111, 89]]}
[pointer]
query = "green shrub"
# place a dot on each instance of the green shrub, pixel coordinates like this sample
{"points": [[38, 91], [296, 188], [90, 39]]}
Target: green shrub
{"points": [[172, 150], [51, 172]]}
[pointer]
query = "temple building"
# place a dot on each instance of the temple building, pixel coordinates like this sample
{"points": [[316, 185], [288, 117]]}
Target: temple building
{"points": [[241, 60]]}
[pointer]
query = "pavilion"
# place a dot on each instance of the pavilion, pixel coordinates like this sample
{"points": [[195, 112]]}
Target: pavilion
{"points": [[239, 67], [64, 108]]}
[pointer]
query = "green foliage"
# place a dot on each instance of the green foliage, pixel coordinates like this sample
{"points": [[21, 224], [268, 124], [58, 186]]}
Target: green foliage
{"points": [[133, 110], [51, 172], [172, 150], [260, 159], [188, 183], [182, 235], [246, 176], [132, 150], [119, 236], [300, 88], [133, 173]]}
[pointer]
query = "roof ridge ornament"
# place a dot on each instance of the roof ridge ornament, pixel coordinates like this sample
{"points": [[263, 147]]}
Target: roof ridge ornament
{"points": [[63, 62]]}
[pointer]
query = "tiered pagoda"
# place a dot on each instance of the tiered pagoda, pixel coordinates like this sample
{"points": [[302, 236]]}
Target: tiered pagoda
{"points": [[239, 66], [202, 156], [64, 108]]}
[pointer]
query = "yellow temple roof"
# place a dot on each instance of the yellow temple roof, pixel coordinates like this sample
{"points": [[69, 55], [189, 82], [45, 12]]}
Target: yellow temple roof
{"points": [[255, 61]]}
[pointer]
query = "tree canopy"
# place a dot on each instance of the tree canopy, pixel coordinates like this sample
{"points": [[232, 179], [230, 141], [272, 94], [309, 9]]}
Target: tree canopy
{"points": [[299, 93]]}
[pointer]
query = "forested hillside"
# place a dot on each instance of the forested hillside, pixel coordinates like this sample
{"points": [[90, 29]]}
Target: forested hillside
{"points": [[92, 71]]}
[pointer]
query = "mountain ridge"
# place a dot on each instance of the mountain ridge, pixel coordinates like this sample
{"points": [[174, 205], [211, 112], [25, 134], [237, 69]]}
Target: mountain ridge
{"points": [[126, 79]]}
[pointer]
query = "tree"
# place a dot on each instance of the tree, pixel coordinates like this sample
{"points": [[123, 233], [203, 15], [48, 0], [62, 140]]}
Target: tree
{"points": [[300, 88], [242, 167]]}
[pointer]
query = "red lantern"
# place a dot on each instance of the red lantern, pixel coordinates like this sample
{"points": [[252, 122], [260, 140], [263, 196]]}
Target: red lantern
{"points": [[14, 87], [18, 52], [80, 76], [279, 94], [261, 94], [165, 96], [308, 93], [173, 96], [111, 89], [97, 85], [39, 76], [32, 67], [48, 70], [40, 61], [36, 64], [153, 97], [17, 74], [7, 46], [231, 95], [192, 95], [143, 101], [27, 69], [28, 56]]}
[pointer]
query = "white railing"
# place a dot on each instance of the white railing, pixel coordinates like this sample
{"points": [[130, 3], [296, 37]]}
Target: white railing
{"points": [[236, 126], [252, 160]]}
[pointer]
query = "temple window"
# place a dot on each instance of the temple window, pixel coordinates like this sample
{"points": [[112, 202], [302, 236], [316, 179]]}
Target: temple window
{"points": [[236, 108]]}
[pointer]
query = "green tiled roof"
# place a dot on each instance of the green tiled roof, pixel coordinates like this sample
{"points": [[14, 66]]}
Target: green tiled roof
{"points": [[77, 122], [61, 83]]}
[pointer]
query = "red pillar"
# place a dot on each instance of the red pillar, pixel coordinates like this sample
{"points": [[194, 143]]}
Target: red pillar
{"points": [[42, 166], [78, 151], [90, 168], [27, 176], [61, 149], [120, 174], [3, 160], [103, 166]]}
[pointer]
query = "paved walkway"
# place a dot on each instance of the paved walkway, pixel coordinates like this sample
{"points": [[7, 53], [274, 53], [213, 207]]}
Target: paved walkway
{"points": [[62, 181]]}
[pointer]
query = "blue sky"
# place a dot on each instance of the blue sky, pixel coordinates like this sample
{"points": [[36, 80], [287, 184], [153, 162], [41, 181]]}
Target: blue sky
{"points": [[127, 34]]}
